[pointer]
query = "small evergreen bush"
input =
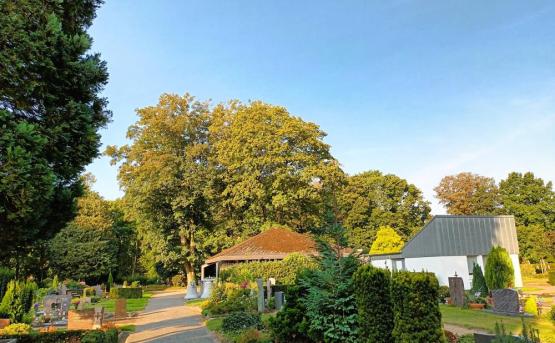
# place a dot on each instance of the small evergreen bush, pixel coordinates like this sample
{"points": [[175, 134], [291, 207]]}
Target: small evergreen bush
{"points": [[499, 269], [17, 301], [478, 281], [415, 308], [375, 311], [291, 324], [238, 321], [127, 293], [443, 293]]}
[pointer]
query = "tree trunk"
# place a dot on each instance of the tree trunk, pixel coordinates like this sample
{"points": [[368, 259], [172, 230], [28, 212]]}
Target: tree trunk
{"points": [[190, 272]]}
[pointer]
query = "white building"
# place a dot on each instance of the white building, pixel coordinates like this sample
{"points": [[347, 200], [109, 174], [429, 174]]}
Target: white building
{"points": [[452, 244]]}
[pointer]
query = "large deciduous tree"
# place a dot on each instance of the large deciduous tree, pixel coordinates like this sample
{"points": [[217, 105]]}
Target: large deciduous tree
{"points": [[371, 200], [49, 89], [273, 167], [532, 202], [468, 194], [167, 179]]}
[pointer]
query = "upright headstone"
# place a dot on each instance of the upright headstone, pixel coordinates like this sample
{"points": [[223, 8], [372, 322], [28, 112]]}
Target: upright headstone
{"points": [[279, 300], [456, 290], [260, 295], [98, 317], [62, 289], [505, 301], [98, 291], [121, 308], [268, 290], [191, 291]]}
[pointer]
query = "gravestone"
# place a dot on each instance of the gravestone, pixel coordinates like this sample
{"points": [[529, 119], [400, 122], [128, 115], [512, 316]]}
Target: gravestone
{"points": [[505, 301], [80, 320], [62, 289], [98, 317], [56, 306], [279, 300], [268, 291], [98, 291], [260, 295], [121, 308], [456, 290]]}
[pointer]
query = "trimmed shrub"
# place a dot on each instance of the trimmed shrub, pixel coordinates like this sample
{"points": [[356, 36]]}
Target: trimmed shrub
{"points": [[291, 324], [375, 312], [531, 306], [16, 329], [73, 336], [478, 281], [415, 308], [6, 275], [127, 293], [285, 271], [227, 298], [499, 269], [238, 321]]}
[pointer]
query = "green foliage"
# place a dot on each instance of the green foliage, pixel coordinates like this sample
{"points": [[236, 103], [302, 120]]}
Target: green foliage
{"points": [[387, 241], [99, 336], [330, 298], [50, 100], [416, 310], [228, 298], [531, 306], [127, 292], [552, 314], [16, 329], [499, 269], [375, 312], [49, 337], [110, 282], [89, 292], [93, 244], [443, 293], [529, 335], [551, 277], [371, 200], [55, 282], [6, 275], [291, 323], [249, 336], [466, 339], [17, 301], [479, 281], [237, 321], [285, 271], [532, 202]]}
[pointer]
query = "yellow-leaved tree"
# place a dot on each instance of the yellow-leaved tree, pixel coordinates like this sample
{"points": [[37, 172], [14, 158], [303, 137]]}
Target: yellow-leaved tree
{"points": [[387, 241]]}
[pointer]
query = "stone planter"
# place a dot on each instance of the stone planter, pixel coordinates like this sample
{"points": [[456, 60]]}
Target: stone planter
{"points": [[475, 306], [4, 323]]}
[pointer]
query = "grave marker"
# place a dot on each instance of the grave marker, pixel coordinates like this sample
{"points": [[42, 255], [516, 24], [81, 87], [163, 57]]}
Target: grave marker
{"points": [[260, 295], [98, 317], [121, 308], [505, 301], [456, 290]]}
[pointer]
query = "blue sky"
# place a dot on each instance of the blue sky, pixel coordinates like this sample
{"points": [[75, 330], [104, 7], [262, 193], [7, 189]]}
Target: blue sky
{"points": [[421, 89]]}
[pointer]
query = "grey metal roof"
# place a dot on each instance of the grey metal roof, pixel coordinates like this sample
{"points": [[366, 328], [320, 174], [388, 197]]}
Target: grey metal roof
{"points": [[447, 235]]}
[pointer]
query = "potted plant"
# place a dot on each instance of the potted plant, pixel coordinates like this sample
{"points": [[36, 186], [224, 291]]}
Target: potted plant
{"points": [[476, 302]]}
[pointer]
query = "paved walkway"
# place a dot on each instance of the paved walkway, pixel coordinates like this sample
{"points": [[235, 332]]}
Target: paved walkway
{"points": [[167, 320]]}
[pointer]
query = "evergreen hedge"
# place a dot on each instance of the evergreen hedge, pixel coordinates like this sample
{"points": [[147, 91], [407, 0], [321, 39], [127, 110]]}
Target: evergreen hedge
{"points": [[127, 293], [375, 314], [499, 269], [415, 308], [94, 336], [6, 275], [284, 271]]}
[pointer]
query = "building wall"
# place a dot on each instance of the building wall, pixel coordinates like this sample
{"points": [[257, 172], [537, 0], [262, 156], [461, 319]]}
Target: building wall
{"points": [[442, 266], [445, 266]]}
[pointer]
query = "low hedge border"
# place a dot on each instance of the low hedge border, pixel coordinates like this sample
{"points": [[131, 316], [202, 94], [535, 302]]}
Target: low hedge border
{"points": [[127, 293]]}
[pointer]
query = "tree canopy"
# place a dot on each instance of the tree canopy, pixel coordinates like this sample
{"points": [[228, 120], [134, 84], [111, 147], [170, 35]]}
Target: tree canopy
{"points": [[468, 194], [49, 95], [387, 241], [371, 200]]}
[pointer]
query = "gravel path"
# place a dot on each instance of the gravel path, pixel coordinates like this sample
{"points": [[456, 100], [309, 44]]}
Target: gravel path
{"points": [[167, 320]]}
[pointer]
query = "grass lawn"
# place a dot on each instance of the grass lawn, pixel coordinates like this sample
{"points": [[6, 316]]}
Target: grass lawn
{"points": [[486, 321], [133, 305]]}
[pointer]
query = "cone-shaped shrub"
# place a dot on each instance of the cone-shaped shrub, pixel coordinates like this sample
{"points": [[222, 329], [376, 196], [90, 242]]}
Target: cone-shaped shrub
{"points": [[375, 311], [415, 308], [478, 281], [6, 275], [499, 269]]}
